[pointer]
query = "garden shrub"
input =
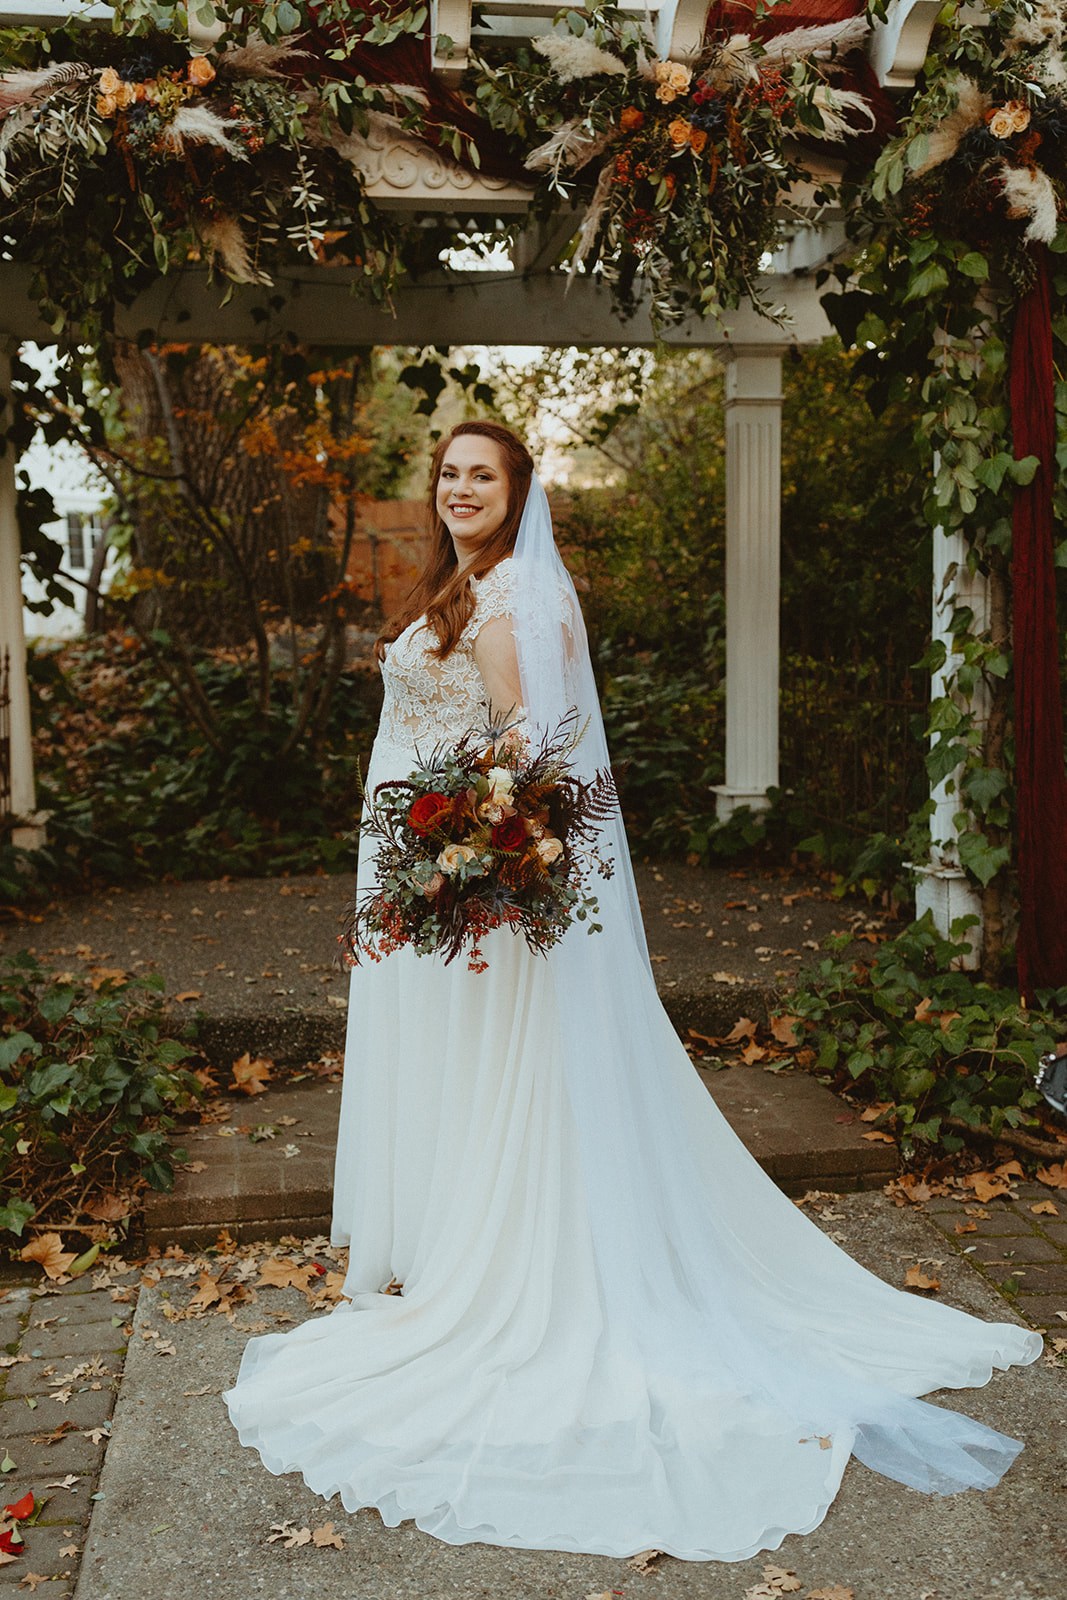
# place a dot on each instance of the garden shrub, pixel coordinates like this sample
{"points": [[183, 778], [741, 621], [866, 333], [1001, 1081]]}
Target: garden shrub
{"points": [[134, 792], [90, 1083], [933, 1046]]}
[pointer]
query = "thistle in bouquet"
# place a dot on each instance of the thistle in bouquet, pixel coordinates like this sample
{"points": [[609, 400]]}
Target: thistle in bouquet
{"points": [[492, 832]]}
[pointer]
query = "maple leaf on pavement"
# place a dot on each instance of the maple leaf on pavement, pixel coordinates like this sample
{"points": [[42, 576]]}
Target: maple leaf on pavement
{"points": [[785, 1578], [249, 1076], [48, 1249], [207, 1293], [279, 1274], [324, 1536], [915, 1278]]}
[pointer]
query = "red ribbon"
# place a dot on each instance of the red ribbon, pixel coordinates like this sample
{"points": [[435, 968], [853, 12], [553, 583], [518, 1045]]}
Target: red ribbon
{"points": [[1041, 782]]}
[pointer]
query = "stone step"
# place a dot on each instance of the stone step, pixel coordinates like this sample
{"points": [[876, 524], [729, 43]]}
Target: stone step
{"points": [[261, 1190]]}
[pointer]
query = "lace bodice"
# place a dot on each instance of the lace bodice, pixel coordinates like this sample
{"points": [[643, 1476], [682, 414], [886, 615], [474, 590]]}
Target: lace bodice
{"points": [[427, 700]]}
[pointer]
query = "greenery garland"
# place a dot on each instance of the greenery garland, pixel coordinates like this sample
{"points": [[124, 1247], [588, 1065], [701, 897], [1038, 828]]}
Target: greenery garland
{"points": [[247, 153]]}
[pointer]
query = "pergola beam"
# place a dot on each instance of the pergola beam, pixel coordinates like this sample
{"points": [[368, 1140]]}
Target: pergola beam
{"points": [[317, 306]]}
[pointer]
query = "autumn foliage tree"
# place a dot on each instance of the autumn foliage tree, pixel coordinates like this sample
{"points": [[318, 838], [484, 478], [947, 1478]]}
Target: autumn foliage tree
{"points": [[237, 479]]}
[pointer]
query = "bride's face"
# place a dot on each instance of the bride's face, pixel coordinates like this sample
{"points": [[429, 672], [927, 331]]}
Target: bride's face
{"points": [[472, 492]]}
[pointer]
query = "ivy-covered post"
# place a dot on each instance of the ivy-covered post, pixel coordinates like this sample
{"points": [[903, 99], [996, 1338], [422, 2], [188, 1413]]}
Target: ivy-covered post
{"points": [[753, 557], [29, 833], [943, 887]]}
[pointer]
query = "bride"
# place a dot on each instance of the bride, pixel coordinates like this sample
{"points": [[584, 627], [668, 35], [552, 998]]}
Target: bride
{"points": [[613, 1333]]}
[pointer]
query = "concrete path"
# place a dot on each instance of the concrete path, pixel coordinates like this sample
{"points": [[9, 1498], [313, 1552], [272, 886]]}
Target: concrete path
{"points": [[185, 1510], [257, 958]]}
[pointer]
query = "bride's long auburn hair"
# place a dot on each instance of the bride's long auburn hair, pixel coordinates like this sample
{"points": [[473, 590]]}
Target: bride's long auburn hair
{"points": [[442, 593]]}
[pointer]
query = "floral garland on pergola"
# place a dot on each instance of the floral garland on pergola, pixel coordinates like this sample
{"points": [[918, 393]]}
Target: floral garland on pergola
{"points": [[247, 153]]}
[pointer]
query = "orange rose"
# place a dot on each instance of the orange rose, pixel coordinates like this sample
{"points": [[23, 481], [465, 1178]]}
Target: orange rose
{"points": [[698, 138], [200, 71], [679, 131], [631, 120]]}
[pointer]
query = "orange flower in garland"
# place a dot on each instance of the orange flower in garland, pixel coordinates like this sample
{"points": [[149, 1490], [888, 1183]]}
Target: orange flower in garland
{"points": [[631, 119], [200, 71], [683, 133]]}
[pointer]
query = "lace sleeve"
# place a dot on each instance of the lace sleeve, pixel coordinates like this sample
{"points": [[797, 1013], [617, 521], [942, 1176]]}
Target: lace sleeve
{"points": [[494, 596]]}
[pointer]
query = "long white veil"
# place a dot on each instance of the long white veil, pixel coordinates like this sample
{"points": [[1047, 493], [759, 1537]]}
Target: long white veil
{"points": [[721, 1298]]}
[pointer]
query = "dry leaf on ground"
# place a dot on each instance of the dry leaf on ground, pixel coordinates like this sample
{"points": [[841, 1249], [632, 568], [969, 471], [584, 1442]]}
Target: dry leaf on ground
{"points": [[835, 1592], [643, 1560], [48, 1249], [969, 1227], [32, 1579], [189, 994], [1045, 1208], [785, 1029], [1055, 1176], [876, 1136], [292, 1538], [987, 1185], [873, 1112], [325, 1536], [278, 1274], [776, 1581], [915, 1278], [743, 1028], [249, 1076], [107, 1207]]}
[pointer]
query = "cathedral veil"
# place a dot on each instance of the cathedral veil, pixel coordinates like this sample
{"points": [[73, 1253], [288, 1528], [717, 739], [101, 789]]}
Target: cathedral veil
{"points": [[749, 1305]]}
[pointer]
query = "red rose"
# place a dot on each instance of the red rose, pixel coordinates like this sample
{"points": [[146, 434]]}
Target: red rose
{"points": [[509, 834], [426, 813]]}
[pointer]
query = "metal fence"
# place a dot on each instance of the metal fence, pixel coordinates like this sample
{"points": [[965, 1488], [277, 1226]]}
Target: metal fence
{"points": [[851, 745]]}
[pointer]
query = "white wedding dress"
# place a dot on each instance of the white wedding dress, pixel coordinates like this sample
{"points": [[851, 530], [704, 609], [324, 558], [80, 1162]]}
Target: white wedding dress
{"points": [[614, 1333]]}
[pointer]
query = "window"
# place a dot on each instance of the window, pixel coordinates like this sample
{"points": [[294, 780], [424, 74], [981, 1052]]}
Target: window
{"points": [[84, 533]]}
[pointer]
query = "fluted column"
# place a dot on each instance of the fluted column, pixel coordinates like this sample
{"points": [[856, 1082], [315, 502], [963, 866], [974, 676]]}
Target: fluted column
{"points": [[941, 884], [753, 524], [30, 834]]}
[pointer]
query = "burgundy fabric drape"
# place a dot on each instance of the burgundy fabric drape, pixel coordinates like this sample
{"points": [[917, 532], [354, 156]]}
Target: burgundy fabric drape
{"points": [[1041, 782]]}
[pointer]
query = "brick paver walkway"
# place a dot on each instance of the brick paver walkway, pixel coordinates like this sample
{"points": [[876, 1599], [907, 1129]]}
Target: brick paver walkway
{"points": [[1022, 1253], [64, 1350]]}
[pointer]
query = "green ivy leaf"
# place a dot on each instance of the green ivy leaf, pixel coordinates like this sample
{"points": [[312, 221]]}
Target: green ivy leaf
{"points": [[974, 265], [926, 282], [980, 857]]}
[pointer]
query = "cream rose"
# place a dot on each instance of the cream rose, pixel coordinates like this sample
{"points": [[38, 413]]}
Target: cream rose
{"points": [[432, 885], [550, 850], [454, 856], [1008, 119], [672, 79]]}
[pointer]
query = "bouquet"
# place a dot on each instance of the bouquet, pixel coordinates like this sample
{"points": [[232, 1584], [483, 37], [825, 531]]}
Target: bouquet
{"points": [[488, 833]]}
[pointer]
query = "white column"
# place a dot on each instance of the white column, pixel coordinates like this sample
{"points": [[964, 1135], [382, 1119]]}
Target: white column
{"points": [[31, 834], [753, 513], [942, 886]]}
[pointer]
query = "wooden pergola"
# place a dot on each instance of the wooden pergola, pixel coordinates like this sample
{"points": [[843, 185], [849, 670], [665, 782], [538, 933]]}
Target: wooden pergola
{"points": [[534, 304]]}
